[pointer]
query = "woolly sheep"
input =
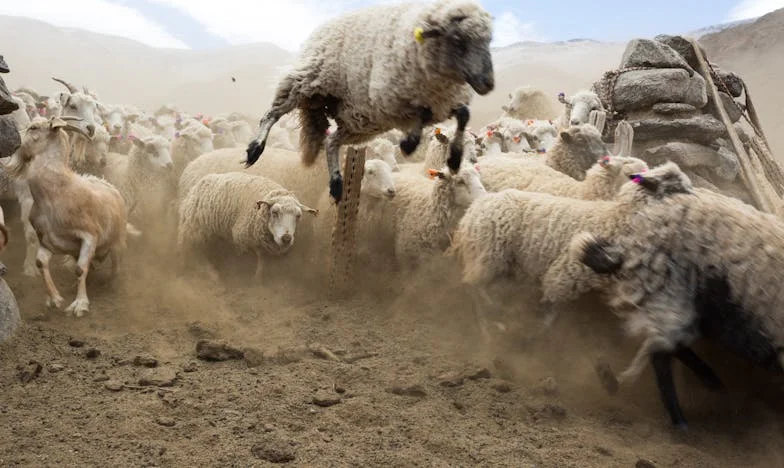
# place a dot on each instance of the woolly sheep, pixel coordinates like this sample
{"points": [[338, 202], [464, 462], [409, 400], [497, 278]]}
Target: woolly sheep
{"points": [[541, 134], [700, 266], [251, 212], [602, 181], [383, 67], [524, 236], [382, 149], [526, 102], [578, 107], [189, 143], [575, 150]]}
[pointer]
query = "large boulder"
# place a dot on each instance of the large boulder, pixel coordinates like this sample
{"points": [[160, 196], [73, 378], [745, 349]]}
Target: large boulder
{"points": [[729, 80], [733, 109], [674, 109], [9, 136], [642, 89], [7, 105], [682, 47], [703, 129], [648, 53], [9, 311], [724, 162]]}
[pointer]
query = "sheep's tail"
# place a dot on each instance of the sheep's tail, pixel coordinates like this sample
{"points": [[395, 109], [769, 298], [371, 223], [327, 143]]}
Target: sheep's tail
{"points": [[314, 125], [598, 254], [132, 231]]}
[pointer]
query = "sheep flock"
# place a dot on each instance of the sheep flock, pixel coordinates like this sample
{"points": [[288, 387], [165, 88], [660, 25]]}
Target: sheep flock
{"points": [[525, 217]]}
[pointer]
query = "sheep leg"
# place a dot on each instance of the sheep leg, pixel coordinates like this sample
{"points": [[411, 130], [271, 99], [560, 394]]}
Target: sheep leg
{"points": [[550, 314], [462, 115], [81, 304], [706, 375], [662, 366], [285, 101], [53, 298], [259, 266], [333, 164], [413, 138], [31, 238]]}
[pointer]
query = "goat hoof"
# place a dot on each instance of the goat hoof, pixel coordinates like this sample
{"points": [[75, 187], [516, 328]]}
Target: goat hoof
{"points": [[336, 187], [255, 148], [78, 307], [409, 145]]}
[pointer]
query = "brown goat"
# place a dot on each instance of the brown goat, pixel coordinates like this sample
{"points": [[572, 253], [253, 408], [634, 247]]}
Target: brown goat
{"points": [[78, 215]]}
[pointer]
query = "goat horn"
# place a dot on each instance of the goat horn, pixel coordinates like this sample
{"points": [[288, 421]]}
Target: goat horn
{"points": [[71, 88], [74, 128]]}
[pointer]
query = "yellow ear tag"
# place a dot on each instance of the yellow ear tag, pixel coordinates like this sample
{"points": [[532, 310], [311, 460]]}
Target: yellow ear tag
{"points": [[418, 35]]}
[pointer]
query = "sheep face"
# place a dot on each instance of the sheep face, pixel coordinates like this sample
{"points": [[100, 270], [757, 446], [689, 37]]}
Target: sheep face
{"points": [[586, 139], [377, 181], [518, 143], [197, 141], [460, 35], [82, 106], [283, 217], [661, 181], [155, 150], [113, 118], [465, 185], [541, 134], [581, 104]]}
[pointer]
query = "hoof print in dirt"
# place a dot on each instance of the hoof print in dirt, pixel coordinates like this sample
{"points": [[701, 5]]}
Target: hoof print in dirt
{"points": [[325, 400], [145, 361], [92, 353], [74, 343], [273, 451], [208, 350], [164, 421], [29, 372], [408, 390], [158, 377]]}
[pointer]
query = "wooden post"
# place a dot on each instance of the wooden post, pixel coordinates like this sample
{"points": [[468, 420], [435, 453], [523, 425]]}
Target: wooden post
{"points": [[747, 173], [344, 232]]}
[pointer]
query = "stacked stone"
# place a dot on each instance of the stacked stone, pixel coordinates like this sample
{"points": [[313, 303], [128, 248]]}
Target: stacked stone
{"points": [[659, 92]]}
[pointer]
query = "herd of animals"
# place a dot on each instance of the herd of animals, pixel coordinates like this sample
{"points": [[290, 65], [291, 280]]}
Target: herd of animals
{"points": [[542, 205]]}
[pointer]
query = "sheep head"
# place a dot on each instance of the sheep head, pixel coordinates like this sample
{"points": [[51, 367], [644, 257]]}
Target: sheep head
{"points": [[465, 186], [377, 181], [584, 139], [659, 182], [283, 214], [155, 150], [196, 140], [581, 105], [456, 37]]}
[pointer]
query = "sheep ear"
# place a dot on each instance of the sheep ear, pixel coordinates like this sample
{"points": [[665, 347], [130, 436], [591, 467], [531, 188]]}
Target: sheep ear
{"points": [[442, 138], [566, 137], [308, 209], [652, 185], [261, 203], [605, 161], [563, 99]]}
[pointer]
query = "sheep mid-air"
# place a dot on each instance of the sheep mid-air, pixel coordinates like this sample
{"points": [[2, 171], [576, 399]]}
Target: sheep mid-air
{"points": [[426, 58]]}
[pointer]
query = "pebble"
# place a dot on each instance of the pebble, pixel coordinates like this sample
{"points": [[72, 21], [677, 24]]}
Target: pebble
{"points": [[209, 350], [55, 367], [101, 378], [29, 372], [190, 367], [643, 463], [326, 400], [483, 373], [410, 390], [451, 379], [145, 361], [113, 385], [92, 353], [165, 421], [74, 343], [158, 377], [273, 451]]}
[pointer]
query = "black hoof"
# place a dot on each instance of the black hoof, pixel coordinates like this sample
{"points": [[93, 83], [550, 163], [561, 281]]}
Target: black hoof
{"points": [[336, 187], [254, 152], [409, 145], [455, 157]]}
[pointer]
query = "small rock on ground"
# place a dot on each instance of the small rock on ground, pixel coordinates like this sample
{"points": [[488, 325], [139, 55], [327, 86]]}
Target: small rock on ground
{"points": [[145, 361], [113, 385], [273, 451], [165, 421], [643, 463], [55, 367], [29, 372], [158, 377], [190, 367], [409, 390], [92, 353], [209, 350], [326, 400], [74, 343]]}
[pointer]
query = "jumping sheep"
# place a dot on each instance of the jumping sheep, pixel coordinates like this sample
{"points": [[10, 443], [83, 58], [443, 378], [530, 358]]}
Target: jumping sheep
{"points": [[602, 181], [251, 212], [388, 66], [700, 266], [78, 215], [524, 236]]}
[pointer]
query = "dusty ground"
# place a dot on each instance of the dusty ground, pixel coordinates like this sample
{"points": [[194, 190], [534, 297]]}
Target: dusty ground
{"points": [[460, 405]]}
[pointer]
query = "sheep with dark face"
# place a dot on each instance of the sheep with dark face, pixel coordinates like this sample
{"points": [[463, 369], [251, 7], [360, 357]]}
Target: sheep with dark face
{"points": [[694, 266], [389, 66]]}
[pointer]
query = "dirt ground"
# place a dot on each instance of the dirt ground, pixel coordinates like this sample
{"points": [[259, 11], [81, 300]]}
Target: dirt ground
{"points": [[392, 376]]}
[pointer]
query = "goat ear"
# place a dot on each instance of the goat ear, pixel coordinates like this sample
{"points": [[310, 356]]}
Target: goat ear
{"points": [[64, 98]]}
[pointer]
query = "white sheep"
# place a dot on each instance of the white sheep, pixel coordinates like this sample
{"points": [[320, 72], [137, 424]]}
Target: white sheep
{"points": [[575, 150], [190, 142], [578, 108], [383, 67], [382, 149], [78, 215], [143, 176], [526, 103], [602, 181], [694, 266], [253, 213], [524, 236], [541, 134]]}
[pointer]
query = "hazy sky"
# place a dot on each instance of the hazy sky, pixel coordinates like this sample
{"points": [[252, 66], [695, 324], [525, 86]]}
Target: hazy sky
{"points": [[200, 24]]}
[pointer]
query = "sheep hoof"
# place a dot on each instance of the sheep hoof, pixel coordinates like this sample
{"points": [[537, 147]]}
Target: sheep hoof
{"points": [[55, 303], [78, 307], [30, 270], [336, 187], [455, 157], [255, 148], [409, 145]]}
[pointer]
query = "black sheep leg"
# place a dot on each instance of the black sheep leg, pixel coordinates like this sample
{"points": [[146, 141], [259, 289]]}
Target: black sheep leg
{"points": [[456, 147], [333, 165], [662, 366], [411, 141], [700, 368]]}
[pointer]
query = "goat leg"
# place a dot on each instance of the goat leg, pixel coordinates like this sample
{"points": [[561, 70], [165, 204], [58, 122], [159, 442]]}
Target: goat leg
{"points": [[662, 366], [411, 141], [81, 304], [43, 257], [334, 141], [706, 375], [462, 115]]}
